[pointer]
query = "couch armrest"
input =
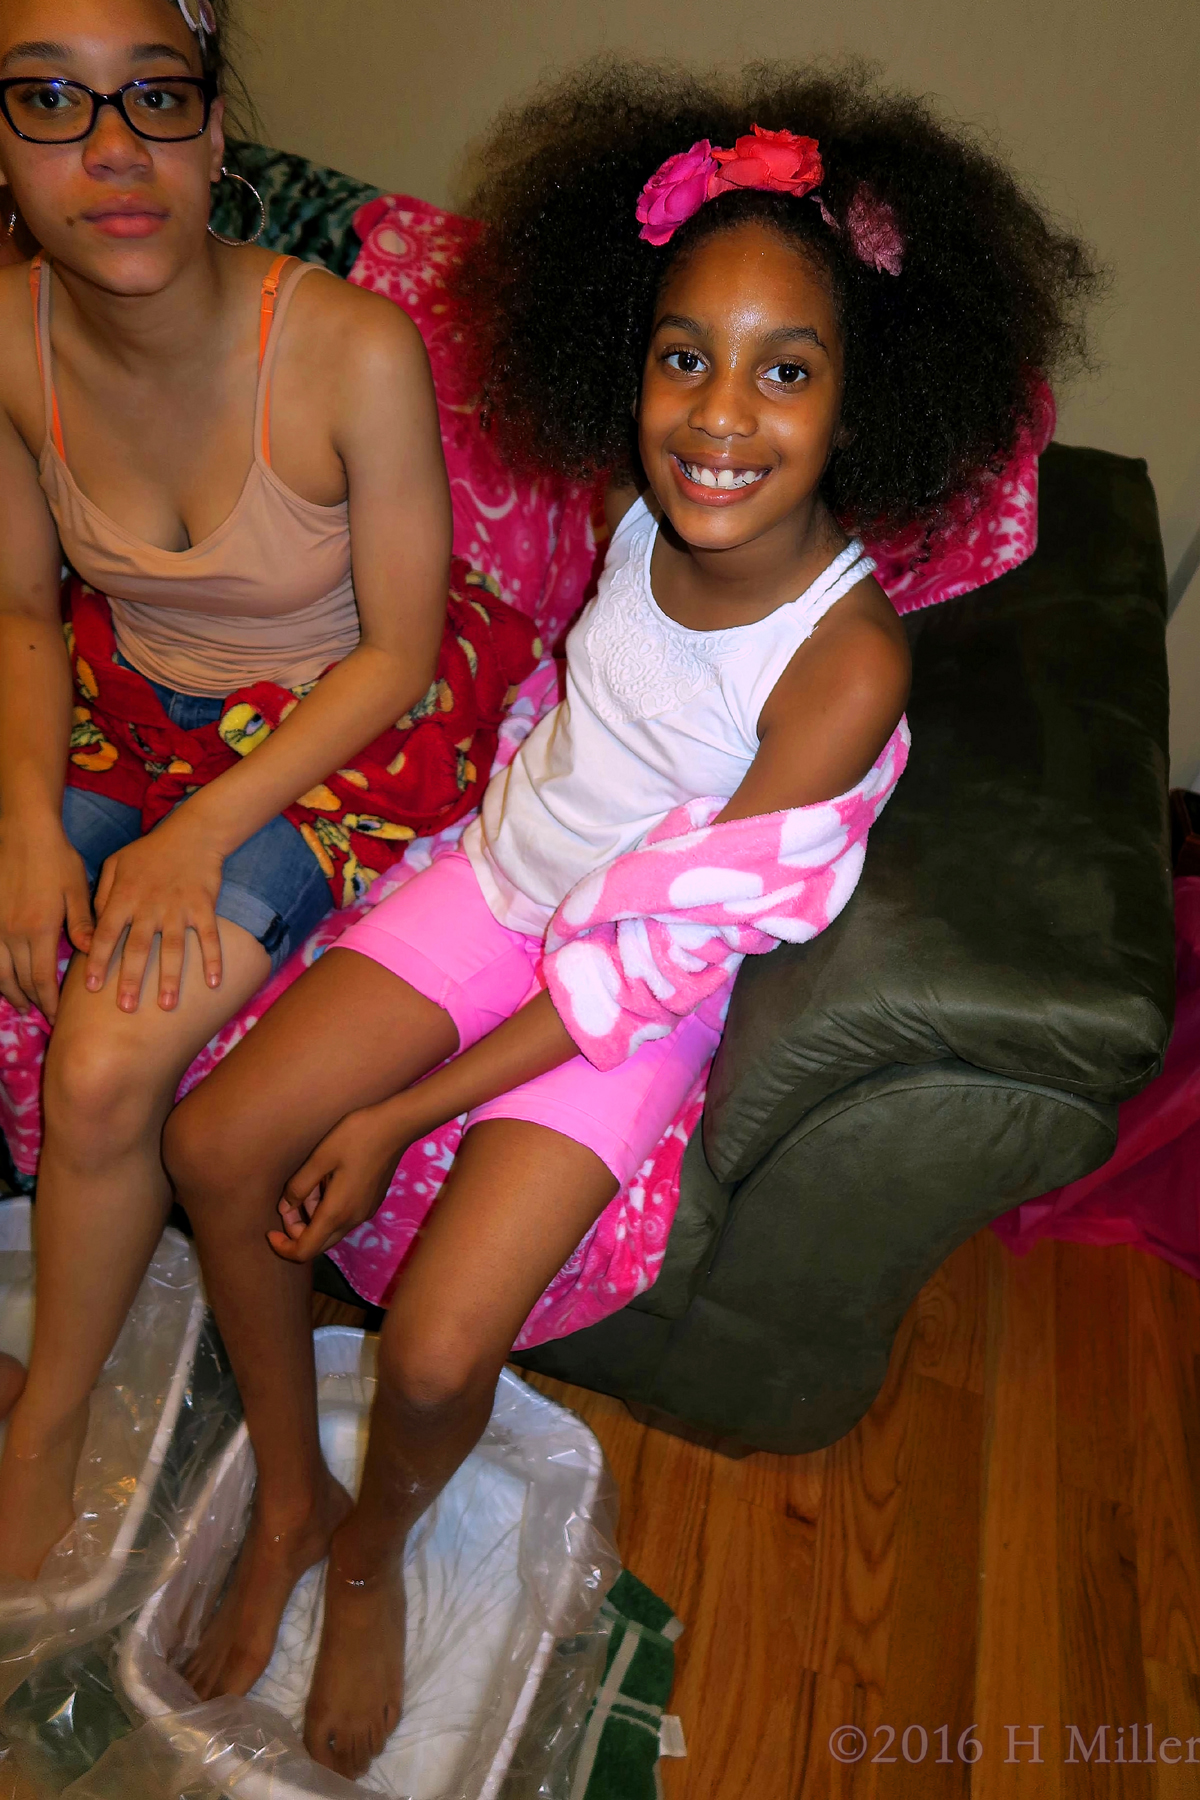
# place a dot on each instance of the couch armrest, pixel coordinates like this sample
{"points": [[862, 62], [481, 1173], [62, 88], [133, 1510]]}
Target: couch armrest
{"points": [[820, 1252], [1015, 909]]}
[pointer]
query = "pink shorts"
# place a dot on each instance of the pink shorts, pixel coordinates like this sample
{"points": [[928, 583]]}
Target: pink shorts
{"points": [[438, 933]]}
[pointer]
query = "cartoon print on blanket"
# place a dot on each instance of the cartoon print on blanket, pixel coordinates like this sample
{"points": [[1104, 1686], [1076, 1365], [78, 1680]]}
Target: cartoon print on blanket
{"points": [[419, 775], [23, 1036]]}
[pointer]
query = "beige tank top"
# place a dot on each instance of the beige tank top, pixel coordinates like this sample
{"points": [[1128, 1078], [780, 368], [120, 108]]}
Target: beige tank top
{"points": [[267, 596]]}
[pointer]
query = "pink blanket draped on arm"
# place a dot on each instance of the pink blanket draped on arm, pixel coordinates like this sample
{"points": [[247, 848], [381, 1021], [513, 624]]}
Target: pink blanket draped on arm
{"points": [[661, 932]]}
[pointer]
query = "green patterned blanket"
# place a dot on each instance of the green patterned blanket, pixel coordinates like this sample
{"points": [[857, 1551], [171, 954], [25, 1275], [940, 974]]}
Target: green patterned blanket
{"points": [[309, 209]]}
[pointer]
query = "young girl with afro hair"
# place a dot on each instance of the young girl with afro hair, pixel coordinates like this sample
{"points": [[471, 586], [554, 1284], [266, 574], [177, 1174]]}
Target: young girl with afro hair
{"points": [[775, 317]]}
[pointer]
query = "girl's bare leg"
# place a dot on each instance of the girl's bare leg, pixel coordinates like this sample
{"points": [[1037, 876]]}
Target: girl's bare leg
{"points": [[102, 1198], [12, 1380], [517, 1202], [348, 1033]]}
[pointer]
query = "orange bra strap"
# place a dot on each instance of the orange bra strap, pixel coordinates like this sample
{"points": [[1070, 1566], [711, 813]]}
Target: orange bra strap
{"points": [[270, 293], [35, 294], [41, 315]]}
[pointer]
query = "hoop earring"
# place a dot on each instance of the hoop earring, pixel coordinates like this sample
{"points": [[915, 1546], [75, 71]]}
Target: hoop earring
{"points": [[262, 209]]}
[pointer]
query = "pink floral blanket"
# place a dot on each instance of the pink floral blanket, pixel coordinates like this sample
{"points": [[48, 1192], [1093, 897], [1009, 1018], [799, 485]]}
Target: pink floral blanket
{"points": [[540, 541], [661, 932]]}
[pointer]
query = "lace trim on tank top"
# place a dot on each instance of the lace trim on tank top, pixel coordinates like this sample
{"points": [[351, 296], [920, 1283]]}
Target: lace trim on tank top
{"points": [[643, 670], [646, 664]]}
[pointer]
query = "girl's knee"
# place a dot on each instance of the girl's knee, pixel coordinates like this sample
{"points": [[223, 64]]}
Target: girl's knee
{"points": [[222, 1158], [99, 1096], [183, 1145], [436, 1371], [203, 1151]]}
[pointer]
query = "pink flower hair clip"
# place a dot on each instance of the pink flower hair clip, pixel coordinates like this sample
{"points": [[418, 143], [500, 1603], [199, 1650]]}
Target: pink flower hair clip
{"points": [[871, 226], [199, 17], [778, 162]]}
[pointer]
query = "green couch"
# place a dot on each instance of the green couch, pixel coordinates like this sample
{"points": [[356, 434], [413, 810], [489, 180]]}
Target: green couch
{"points": [[959, 1040]]}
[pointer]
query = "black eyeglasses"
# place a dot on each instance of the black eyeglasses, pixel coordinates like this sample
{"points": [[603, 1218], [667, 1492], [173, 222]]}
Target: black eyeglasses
{"points": [[44, 110]]}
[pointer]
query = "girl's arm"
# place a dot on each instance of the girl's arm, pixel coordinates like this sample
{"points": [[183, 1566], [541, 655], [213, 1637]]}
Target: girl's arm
{"points": [[42, 879], [386, 433], [348, 1173], [832, 710]]}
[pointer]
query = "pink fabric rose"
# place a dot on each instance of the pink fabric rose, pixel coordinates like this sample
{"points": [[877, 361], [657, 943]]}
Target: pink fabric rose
{"points": [[778, 161], [872, 229], [676, 191], [871, 226]]}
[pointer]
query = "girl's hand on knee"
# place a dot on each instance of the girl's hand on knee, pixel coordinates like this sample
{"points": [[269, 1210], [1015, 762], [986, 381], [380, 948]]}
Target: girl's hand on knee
{"points": [[162, 885], [43, 886], [342, 1183]]}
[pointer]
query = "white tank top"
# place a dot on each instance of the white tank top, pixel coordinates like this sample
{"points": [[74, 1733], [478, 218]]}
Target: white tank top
{"points": [[654, 715]]}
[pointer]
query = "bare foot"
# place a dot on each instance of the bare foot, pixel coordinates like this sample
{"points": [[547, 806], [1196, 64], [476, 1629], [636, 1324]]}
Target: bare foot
{"points": [[358, 1684], [37, 1488], [238, 1641], [12, 1380]]}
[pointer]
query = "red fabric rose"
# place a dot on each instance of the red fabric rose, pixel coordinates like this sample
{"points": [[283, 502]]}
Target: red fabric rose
{"points": [[779, 161]]}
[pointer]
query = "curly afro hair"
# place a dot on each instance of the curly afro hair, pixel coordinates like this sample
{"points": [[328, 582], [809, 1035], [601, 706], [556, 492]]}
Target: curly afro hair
{"points": [[560, 291]]}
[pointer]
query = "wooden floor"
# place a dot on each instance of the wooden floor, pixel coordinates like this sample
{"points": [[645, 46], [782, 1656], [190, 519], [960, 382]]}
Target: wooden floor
{"points": [[1011, 1537]]}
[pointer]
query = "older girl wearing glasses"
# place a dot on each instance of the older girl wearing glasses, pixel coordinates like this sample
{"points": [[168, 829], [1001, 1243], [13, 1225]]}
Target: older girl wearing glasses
{"points": [[247, 464]]}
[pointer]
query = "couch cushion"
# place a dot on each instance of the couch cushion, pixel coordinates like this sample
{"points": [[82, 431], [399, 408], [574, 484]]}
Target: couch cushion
{"points": [[1015, 908]]}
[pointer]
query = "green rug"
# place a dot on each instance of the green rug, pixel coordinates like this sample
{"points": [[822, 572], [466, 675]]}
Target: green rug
{"points": [[593, 1730], [618, 1758]]}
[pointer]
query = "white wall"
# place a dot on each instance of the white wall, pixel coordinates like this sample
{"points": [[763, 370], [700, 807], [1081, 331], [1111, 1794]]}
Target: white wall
{"points": [[1181, 542], [1095, 101], [1183, 649]]}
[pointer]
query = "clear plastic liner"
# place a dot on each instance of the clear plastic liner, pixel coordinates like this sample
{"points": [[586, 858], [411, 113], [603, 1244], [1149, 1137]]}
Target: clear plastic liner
{"points": [[543, 1763], [59, 1721], [71, 1714], [504, 1579], [226, 1746], [164, 1404]]}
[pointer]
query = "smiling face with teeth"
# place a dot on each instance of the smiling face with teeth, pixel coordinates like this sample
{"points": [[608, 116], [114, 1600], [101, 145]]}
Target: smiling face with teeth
{"points": [[741, 393]]}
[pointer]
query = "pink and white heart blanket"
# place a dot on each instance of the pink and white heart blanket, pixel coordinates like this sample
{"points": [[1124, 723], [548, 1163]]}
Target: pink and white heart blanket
{"points": [[661, 932]]}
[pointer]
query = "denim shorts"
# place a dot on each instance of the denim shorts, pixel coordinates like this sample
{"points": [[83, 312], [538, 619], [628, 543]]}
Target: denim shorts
{"points": [[272, 885]]}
